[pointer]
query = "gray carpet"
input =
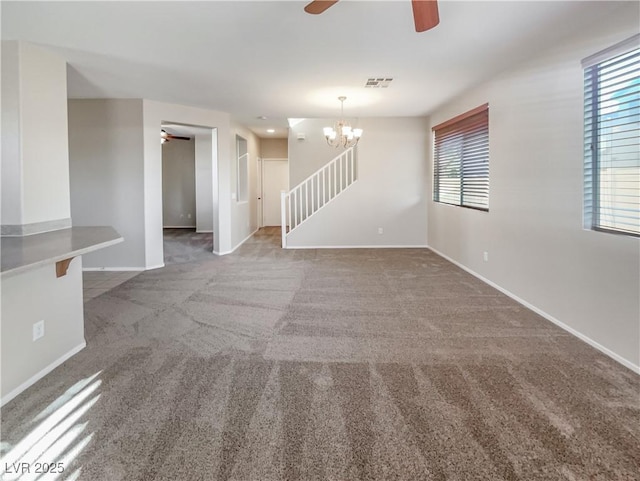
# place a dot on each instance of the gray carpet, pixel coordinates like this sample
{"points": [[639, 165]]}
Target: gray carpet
{"points": [[186, 245], [327, 365]]}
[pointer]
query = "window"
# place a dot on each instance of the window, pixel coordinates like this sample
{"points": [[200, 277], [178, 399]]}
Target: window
{"points": [[461, 160], [242, 170], [612, 139]]}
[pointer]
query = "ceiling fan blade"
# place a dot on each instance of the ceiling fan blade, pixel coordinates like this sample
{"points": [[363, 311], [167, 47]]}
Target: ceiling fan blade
{"points": [[178, 137], [319, 6], [425, 14]]}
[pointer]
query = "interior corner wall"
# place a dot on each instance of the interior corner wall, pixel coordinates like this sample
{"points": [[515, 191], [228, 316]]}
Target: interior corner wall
{"points": [[107, 176], [244, 214], [179, 183], [537, 247], [154, 115], [389, 192], [274, 148], [204, 148], [35, 173]]}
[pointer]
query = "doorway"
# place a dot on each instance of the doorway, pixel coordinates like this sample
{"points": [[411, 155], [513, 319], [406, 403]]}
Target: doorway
{"points": [[178, 181], [275, 179], [187, 192]]}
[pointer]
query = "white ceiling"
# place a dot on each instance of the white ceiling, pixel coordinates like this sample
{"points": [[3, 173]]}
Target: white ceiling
{"points": [[272, 59]]}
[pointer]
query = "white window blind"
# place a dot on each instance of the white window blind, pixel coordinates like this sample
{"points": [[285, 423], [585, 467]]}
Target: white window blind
{"points": [[612, 140], [461, 160]]}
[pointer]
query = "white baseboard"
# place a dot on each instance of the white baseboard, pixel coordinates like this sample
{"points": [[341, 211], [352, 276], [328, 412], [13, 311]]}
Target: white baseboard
{"points": [[36, 377], [422, 246], [157, 266], [224, 253], [616, 357], [116, 269]]}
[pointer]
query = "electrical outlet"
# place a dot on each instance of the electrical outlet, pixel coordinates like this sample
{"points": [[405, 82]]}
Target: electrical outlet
{"points": [[486, 256], [188, 216], [380, 230], [38, 330]]}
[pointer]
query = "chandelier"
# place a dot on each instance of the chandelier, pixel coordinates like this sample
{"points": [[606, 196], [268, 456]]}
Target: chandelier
{"points": [[341, 134]]}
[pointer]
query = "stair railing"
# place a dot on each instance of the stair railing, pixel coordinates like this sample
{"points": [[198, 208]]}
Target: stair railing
{"points": [[316, 191]]}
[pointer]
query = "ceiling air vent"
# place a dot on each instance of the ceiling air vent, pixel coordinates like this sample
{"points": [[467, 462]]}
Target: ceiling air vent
{"points": [[378, 83]]}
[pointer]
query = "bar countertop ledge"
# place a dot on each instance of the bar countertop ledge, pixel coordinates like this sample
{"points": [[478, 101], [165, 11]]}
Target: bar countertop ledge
{"points": [[20, 254]]}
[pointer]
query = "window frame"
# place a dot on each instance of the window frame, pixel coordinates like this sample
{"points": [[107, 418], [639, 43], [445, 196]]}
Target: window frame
{"points": [[242, 170], [469, 130], [593, 133]]}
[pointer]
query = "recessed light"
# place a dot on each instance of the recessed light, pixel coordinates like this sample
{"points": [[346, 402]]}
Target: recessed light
{"points": [[270, 131]]}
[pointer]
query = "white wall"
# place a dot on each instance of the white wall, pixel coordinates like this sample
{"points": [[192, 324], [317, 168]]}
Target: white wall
{"points": [[28, 298], [205, 185], [309, 155], [107, 176], [45, 151], [538, 250], [245, 214], [11, 175], [389, 192], [179, 183], [35, 174]]}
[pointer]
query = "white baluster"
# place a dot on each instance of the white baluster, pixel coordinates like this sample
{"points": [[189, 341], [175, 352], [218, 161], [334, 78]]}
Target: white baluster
{"points": [[353, 172], [289, 213], [324, 186], [295, 208], [340, 162], [283, 217]]}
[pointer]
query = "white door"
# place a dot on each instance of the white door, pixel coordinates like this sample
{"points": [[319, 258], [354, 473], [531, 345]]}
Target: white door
{"points": [[260, 189], [275, 179]]}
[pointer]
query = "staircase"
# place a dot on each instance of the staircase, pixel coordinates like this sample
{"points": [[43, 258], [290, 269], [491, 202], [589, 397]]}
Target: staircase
{"points": [[316, 191]]}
